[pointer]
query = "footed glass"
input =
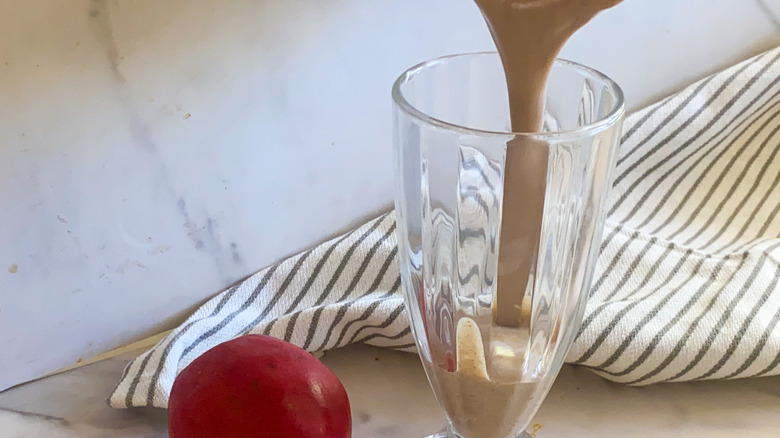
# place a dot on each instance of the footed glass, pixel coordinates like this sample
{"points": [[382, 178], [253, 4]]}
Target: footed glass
{"points": [[451, 140]]}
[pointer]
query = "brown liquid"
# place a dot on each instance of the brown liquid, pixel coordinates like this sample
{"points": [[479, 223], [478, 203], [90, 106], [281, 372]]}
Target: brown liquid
{"points": [[485, 409], [529, 34], [478, 406]]}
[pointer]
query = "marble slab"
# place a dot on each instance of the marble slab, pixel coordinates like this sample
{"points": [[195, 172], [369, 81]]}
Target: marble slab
{"points": [[390, 397], [153, 152]]}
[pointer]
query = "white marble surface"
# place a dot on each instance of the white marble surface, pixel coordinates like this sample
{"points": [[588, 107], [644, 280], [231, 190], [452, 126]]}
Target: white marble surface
{"points": [[391, 398], [154, 152]]}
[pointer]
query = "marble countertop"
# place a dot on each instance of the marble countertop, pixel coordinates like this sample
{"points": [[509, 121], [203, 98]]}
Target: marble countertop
{"points": [[580, 405]]}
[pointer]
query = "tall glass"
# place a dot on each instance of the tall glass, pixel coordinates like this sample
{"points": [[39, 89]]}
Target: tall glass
{"points": [[451, 139]]}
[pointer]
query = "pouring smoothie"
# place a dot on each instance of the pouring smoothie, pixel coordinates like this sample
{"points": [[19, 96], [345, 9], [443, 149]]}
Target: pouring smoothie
{"points": [[483, 398]]}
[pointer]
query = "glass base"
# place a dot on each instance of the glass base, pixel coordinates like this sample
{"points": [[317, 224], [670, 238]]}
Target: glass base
{"points": [[444, 433]]}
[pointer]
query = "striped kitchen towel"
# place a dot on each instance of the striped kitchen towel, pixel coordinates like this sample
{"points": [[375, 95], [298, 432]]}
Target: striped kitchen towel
{"points": [[686, 286]]}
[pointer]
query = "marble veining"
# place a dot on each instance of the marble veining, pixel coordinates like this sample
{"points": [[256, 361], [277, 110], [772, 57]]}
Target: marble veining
{"points": [[25, 424], [204, 236], [772, 11]]}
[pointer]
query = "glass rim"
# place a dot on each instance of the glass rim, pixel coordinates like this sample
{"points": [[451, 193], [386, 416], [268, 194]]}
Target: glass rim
{"points": [[602, 124]]}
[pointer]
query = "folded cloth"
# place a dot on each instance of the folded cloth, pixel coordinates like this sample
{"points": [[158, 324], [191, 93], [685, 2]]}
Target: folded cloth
{"points": [[686, 286]]}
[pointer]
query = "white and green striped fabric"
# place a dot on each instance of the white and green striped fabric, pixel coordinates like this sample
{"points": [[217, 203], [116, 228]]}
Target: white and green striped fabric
{"points": [[686, 287]]}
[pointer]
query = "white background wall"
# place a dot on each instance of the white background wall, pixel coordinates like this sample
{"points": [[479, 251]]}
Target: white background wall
{"points": [[153, 152]]}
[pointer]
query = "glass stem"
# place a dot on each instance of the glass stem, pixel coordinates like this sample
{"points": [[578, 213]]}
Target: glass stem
{"points": [[448, 433]]}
